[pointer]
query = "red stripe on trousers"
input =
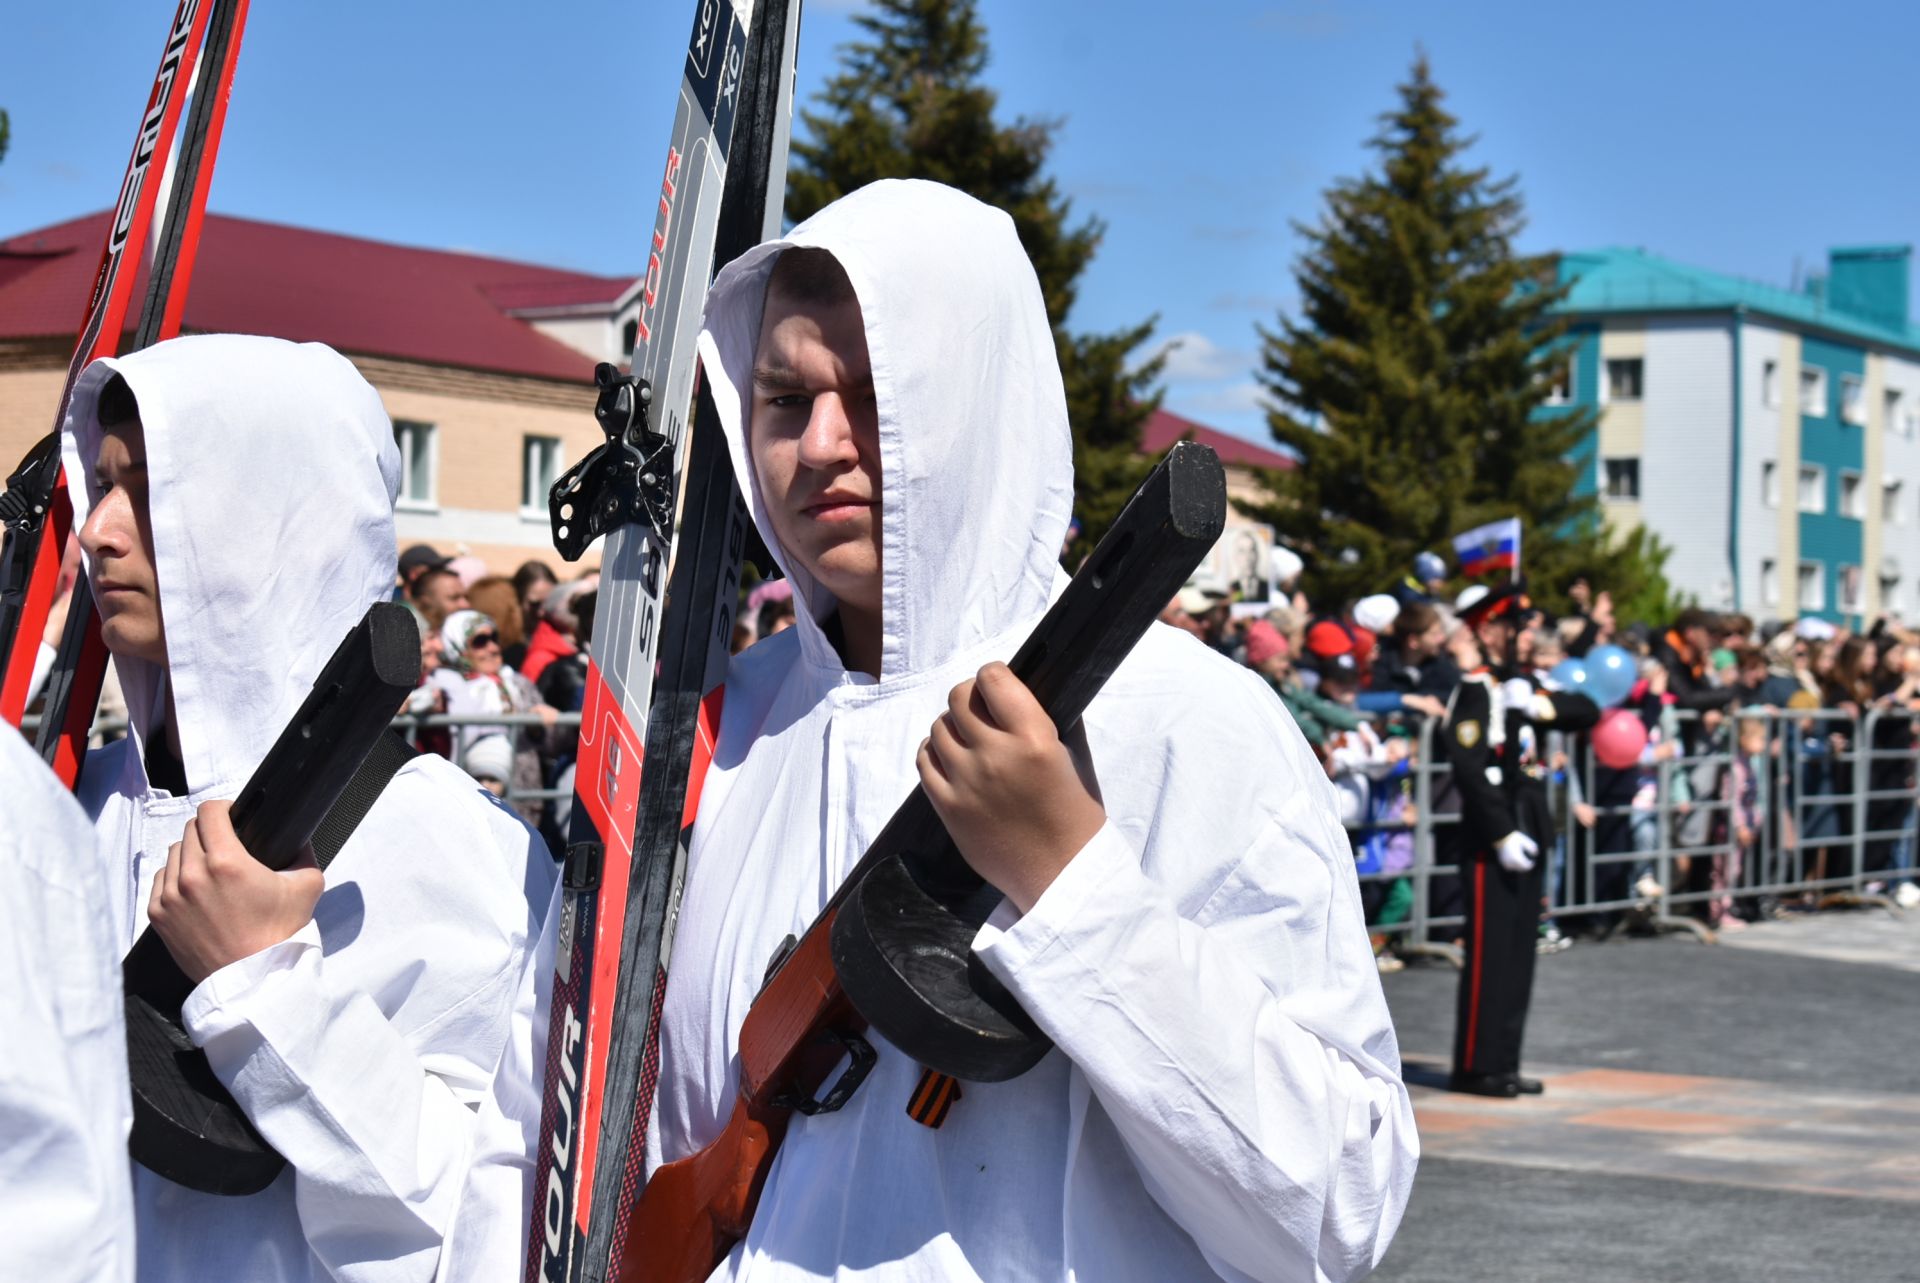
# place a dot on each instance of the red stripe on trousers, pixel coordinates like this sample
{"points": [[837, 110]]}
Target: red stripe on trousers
{"points": [[1478, 959]]}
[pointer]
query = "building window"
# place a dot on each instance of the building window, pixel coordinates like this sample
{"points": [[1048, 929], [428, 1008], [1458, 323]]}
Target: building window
{"points": [[1889, 594], [1770, 384], [1812, 496], [1853, 400], [1769, 582], [540, 468], [1890, 510], [1890, 410], [1770, 484], [1813, 391], [1624, 379], [1810, 590], [419, 455], [1850, 597], [1560, 384], [1623, 478], [1853, 496]]}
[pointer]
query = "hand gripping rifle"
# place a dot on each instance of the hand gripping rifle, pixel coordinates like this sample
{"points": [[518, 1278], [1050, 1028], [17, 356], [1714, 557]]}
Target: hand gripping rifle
{"points": [[892, 949], [316, 784]]}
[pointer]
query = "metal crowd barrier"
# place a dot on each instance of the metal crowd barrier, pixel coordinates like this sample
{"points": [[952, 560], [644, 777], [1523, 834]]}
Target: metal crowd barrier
{"points": [[1826, 807], [1831, 804]]}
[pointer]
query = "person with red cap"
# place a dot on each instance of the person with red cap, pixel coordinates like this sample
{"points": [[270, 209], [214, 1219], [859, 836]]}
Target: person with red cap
{"points": [[1269, 655], [1494, 728]]}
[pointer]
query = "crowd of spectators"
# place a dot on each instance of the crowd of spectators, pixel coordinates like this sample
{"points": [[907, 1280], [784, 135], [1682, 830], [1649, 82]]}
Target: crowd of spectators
{"points": [[1760, 758], [1757, 738]]}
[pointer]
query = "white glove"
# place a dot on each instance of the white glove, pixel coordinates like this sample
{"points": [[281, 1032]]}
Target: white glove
{"points": [[1517, 693], [1516, 851]]}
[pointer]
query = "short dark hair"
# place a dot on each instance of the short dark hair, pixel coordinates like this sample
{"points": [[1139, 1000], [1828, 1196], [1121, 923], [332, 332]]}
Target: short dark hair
{"points": [[1694, 617], [807, 275], [1414, 618], [117, 405]]}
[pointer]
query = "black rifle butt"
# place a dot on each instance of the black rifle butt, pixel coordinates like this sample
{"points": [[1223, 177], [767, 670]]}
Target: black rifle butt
{"points": [[903, 934], [186, 1127]]}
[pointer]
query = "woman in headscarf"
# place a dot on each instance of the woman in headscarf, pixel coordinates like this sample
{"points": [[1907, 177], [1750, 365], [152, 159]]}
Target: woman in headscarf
{"points": [[483, 684]]}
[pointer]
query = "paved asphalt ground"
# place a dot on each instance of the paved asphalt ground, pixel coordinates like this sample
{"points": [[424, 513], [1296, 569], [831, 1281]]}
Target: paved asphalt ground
{"points": [[1741, 1111]]}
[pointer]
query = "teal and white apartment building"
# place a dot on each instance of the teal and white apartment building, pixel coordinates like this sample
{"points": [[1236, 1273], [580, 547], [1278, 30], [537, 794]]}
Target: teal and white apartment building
{"points": [[1770, 436]]}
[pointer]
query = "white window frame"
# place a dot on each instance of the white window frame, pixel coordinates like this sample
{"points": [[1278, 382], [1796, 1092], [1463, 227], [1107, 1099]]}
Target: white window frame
{"points": [[1893, 508], [1560, 390], [1813, 391], [533, 506], [1857, 602], [406, 501], [1606, 385], [1853, 495], [1606, 479], [1769, 582], [1818, 599], [1819, 477], [1853, 400], [1769, 483], [1770, 384]]}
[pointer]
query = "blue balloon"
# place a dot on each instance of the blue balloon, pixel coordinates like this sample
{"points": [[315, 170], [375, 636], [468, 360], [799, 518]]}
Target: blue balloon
{"points": [[1611, 675], [1571, 675]]}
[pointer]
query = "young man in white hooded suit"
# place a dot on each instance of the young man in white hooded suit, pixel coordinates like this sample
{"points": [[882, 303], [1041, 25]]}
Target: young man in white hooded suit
{"points": [[1225, 1098], [236, 513]]}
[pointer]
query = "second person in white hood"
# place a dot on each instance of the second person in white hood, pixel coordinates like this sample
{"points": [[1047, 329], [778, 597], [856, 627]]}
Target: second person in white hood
{"points": [[1225, 1097], [236, 501]]}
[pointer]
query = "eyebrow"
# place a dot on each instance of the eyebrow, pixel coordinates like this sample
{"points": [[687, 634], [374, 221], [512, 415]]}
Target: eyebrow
{"points": [[777, 376]]}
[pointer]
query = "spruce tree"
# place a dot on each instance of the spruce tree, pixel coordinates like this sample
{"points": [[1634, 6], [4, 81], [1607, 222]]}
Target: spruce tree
{"points": [[1412, 383], [908, 102]]}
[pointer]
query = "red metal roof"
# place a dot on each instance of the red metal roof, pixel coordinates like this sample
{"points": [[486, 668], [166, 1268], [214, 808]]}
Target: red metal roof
{"points": [[364, 297], [1165, 428]]}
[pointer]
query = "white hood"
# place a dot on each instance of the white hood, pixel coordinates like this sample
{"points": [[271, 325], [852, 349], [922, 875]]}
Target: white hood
{"points": [[956, 571], [256, 447]]}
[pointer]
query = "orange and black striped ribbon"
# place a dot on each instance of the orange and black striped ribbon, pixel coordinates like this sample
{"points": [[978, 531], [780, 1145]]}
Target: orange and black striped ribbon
{"points": [[932, 1098]]}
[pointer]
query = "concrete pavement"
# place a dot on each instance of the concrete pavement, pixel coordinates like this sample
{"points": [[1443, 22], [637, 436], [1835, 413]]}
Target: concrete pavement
{"points": [[1749, 1110]]}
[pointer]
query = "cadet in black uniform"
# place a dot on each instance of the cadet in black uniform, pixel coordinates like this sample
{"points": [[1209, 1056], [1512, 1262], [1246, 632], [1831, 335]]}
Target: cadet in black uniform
{"points": [[1495, 723]]}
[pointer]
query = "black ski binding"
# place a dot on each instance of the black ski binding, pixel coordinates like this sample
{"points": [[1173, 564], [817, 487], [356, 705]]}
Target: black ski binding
{"points": [[23, 510], [627, 479]]}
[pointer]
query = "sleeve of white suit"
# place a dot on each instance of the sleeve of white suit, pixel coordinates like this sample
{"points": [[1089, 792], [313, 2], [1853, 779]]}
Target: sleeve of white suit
{"points": [[1246, 1058], [374, 1103]]}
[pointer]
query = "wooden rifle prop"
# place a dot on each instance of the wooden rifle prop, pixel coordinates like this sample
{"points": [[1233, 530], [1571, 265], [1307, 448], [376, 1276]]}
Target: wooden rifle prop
{"points": [[892, 948], [314, 787]]}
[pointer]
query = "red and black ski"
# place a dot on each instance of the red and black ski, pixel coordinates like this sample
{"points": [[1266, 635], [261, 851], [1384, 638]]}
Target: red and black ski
{"points": [[204, 36], [662, 639]]}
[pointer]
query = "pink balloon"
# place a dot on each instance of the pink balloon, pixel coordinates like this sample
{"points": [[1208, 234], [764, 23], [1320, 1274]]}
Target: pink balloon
{"points": [[1619, 738]]}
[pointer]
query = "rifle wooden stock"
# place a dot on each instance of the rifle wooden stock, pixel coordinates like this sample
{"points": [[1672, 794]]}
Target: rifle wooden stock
{"points": [[803, 1023], [693, 1211]]}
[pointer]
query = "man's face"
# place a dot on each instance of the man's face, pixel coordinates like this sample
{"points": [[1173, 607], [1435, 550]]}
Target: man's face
{"points": [[119, 538], [1496, 641], [441, 595], [815, 439]]}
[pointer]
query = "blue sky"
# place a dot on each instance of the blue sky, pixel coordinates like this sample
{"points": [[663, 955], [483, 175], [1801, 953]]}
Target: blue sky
{"points": [[1744, 137]]}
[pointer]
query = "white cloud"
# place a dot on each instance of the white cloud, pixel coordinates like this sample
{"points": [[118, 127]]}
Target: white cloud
{"points": [[1192, 357]]}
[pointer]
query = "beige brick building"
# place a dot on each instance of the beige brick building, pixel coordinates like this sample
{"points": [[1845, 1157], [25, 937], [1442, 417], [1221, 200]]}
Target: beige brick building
{"points": [[485, 366]]}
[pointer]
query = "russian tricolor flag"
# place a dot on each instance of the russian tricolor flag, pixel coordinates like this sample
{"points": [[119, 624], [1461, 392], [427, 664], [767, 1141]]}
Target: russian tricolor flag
{"points": [[1495, 546]]}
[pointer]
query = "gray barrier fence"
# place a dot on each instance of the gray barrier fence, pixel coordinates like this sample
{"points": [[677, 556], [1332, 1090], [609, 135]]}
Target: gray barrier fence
{"points": [[1734, 816], [1745, 815]]}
